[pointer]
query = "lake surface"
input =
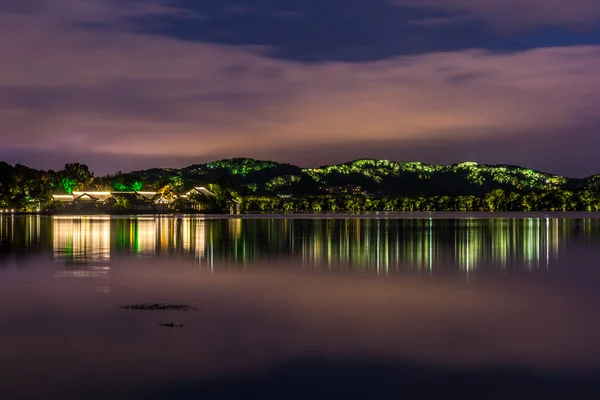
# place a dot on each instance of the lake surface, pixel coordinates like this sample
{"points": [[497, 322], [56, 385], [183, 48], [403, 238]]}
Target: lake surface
{"points": [[375, 306]]}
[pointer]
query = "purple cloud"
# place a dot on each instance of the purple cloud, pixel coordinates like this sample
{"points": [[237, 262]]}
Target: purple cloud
{"points": [[68, 88]]}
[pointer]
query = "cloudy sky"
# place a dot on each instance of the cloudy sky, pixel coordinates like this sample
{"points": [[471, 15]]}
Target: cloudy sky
{"points": [[130, 84]]}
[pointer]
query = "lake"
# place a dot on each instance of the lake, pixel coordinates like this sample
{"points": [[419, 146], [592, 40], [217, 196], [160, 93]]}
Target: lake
{"points": [[426, 305]]}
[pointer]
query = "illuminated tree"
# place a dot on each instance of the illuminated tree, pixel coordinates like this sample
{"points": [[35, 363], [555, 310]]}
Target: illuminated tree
{"points": [[288, 206], [204, 202], [68, 185], [495, 200], [135, 186], [76, 176], [317, 205], [118, 202], [332, 205]]}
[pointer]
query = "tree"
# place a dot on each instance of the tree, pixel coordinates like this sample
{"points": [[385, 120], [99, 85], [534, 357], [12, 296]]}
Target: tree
{"points": [[180, 205], [74, 177], [332, 205], [126, 183], [495, 200], [317, 205], [288, 206], [203, 202], [122, 202]]}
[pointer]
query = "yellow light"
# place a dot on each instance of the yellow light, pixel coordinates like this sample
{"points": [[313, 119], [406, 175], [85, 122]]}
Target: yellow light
{"points": [[93, 193]]}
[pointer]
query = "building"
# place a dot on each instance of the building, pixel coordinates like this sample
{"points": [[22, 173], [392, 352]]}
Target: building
{"points": [[136, 201], [201, 190], [346, 190], [234, 206]]}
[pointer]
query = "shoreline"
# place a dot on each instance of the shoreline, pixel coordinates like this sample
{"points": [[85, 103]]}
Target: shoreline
{"points": [[338, 215]]}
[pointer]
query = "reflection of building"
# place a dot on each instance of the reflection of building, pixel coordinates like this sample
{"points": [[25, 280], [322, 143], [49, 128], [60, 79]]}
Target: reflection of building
{"points": [[378, 245], [145, 240], [81, 240], [194, 240], [137, 235], [199, 192]]}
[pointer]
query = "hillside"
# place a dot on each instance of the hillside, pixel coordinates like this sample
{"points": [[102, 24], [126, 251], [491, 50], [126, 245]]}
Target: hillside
{"points": [[373, 176], [21, 187]]}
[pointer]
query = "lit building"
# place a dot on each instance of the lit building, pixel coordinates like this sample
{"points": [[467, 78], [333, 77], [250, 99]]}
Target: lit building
{"points": [[347, 189], [138, 201]]}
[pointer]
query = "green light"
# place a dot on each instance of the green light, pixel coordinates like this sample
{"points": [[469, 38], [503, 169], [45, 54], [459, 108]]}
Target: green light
{"points": [[134, 187], [68, 185], [242, 166]]}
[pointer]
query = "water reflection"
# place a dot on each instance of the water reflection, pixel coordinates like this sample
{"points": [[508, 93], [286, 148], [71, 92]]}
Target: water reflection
{"points": [[378, 245], [81, 240]]}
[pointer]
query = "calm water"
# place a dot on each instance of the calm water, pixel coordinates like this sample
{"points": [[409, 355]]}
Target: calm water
{"points": [[371, 306]]}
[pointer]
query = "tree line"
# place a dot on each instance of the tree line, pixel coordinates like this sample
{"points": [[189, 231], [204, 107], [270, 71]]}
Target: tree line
{"points": [[495, 201], [30, 190]]}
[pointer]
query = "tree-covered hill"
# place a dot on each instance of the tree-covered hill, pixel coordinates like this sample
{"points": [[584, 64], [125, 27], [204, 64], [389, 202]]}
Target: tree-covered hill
{"points": [[373, 176], [25, 188]]}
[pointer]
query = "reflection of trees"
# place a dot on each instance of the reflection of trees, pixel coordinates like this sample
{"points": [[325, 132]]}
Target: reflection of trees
{"points": [[24, 237], [382, 245]]}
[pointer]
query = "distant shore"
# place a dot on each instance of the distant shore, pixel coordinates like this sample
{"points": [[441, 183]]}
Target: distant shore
{"points": [[336, 215]]}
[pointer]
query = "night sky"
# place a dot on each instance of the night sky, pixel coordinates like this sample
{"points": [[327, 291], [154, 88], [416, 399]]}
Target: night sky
{"points": [[131, 84]]}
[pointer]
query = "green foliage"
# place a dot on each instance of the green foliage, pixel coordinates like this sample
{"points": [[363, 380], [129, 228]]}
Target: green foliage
{"points": [[77, 173], [68, 185], [135, 186], [280, 182], [389, 185], [242, 166], [117, 203], [495, 201], [173, 189], [477, 175], [224, 193], [177, 183], [204, 203]]}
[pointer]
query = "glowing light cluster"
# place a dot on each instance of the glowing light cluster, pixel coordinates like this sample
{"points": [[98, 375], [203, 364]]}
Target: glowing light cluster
{"points": [[282, 181], [133, 187], [242, 166]]}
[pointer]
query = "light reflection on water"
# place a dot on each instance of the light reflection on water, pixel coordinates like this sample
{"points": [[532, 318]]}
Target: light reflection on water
{"points": [[376, 245], [267, 306]]}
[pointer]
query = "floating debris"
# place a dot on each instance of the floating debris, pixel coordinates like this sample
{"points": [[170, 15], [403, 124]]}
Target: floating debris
{"points": [[159, 306], [171, 325]]}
